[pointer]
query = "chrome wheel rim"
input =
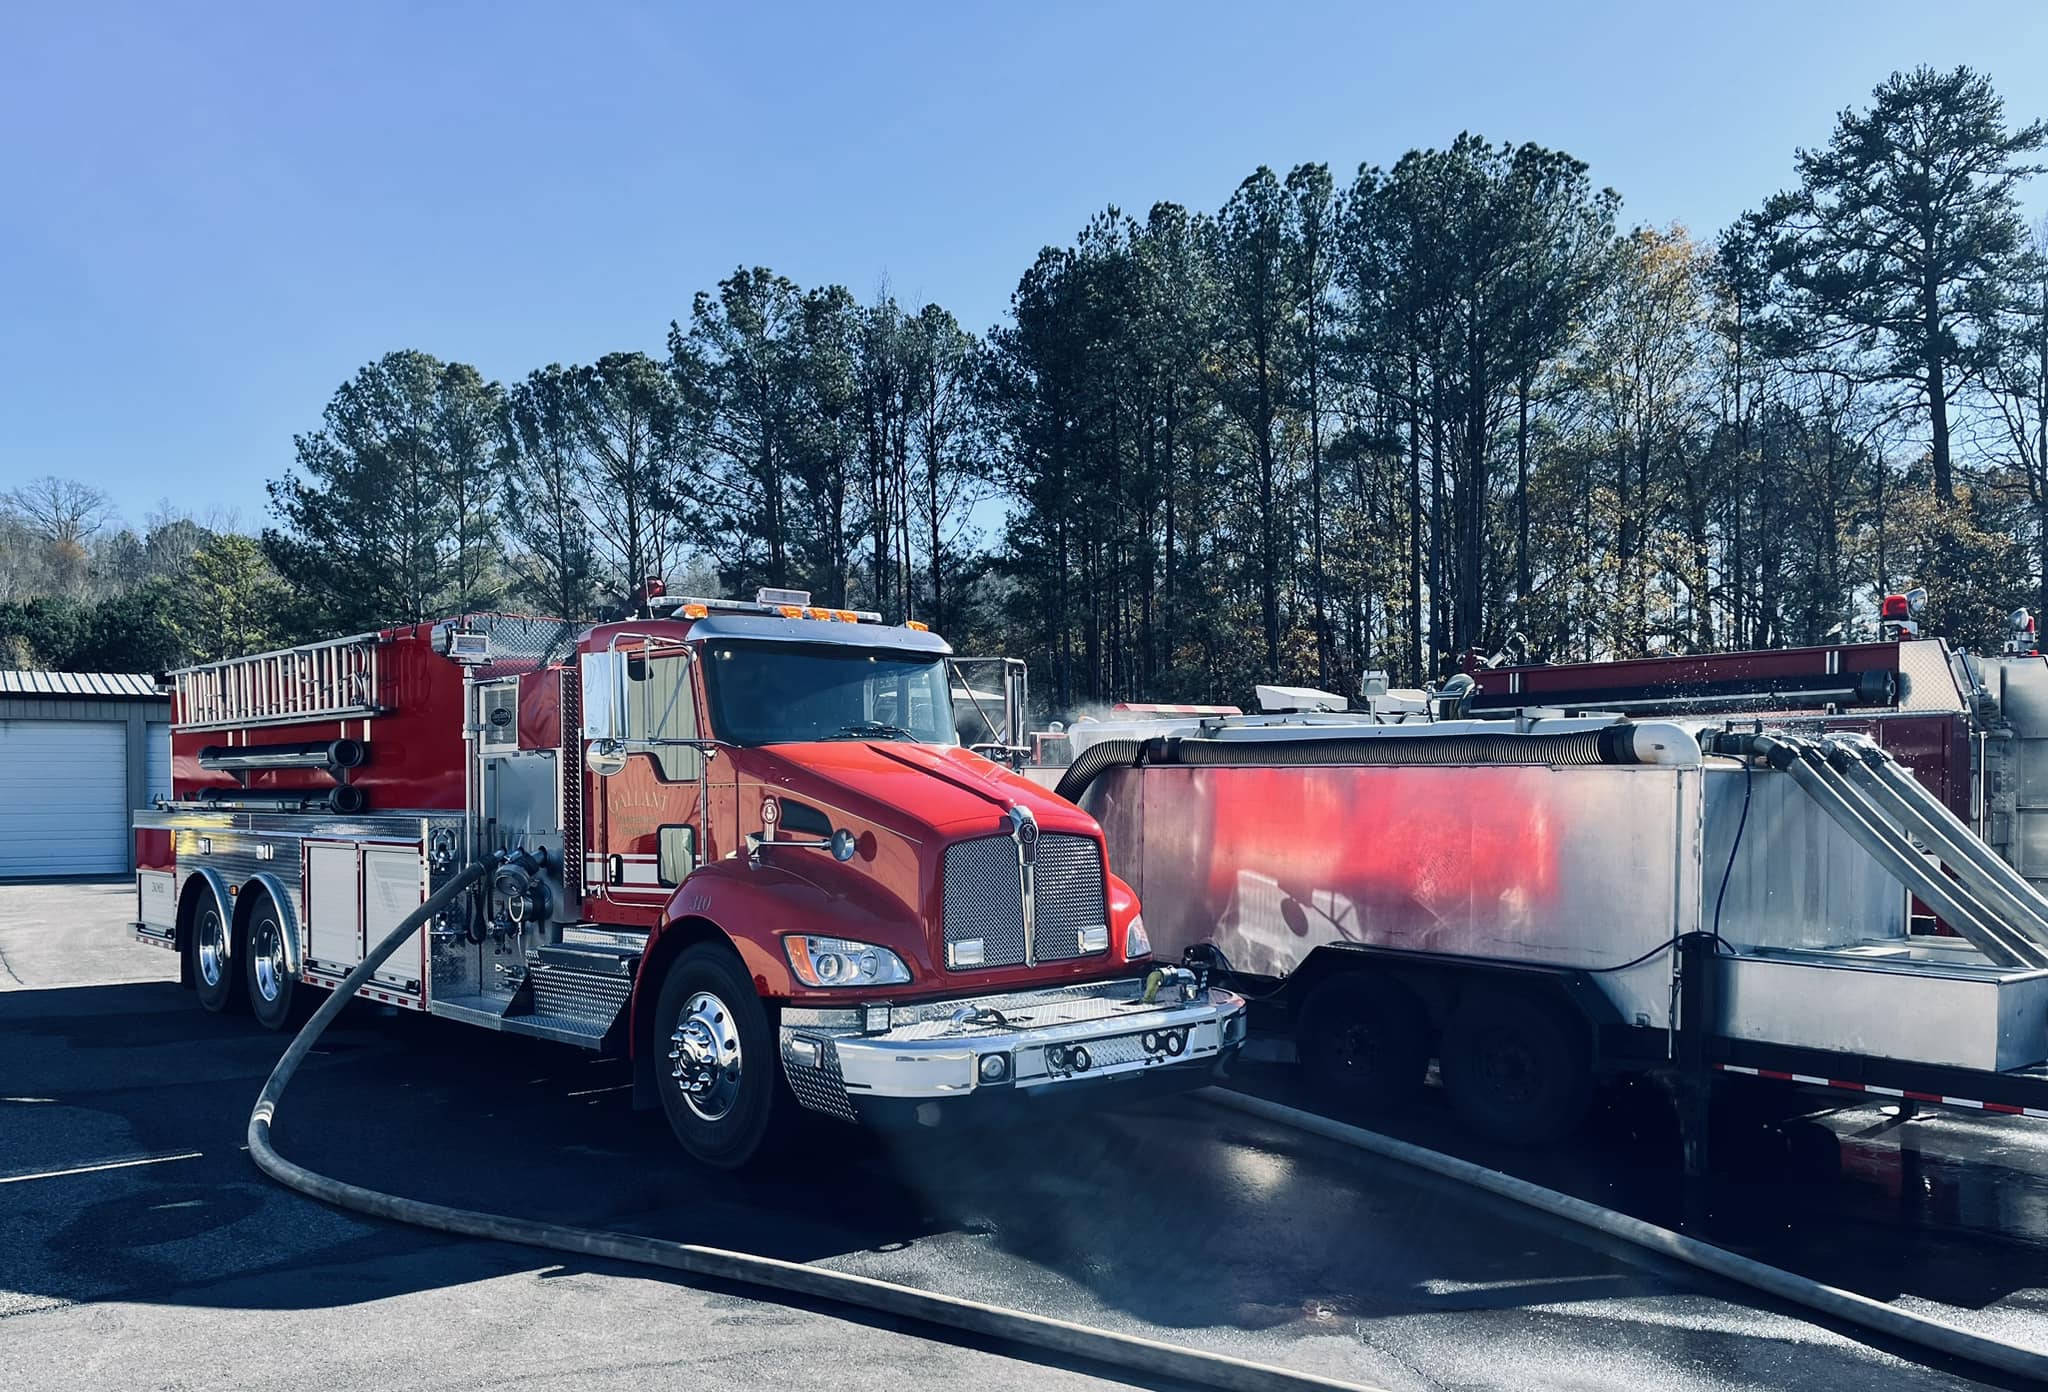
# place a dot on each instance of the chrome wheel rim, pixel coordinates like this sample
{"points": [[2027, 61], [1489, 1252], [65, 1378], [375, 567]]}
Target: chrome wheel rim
{"points": [[704, 1056], [212, 942], [266, 956]]}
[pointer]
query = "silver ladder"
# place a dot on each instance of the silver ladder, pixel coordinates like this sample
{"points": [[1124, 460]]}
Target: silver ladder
{"points": [[333, 680]]}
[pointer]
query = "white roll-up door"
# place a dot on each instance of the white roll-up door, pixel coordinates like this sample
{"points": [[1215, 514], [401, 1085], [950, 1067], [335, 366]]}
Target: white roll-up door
{"points": [[63, 797]]}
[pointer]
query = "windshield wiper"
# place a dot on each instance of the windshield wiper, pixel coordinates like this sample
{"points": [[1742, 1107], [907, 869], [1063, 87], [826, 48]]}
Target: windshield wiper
{"points": [[872, 729]]}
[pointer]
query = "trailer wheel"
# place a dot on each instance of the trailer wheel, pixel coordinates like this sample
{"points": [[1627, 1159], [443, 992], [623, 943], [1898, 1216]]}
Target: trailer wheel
{"points": [[1364, 1042], [264, 971], [212, 945], [715, 1059], [1515, 1067]]}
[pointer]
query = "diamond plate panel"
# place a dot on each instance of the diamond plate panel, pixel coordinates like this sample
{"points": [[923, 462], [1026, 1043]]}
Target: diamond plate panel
{"points": [[821, 1089], [579, 995]]}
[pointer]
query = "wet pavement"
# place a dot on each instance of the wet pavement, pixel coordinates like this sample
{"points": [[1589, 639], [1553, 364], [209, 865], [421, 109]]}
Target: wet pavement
{"points": [[184, 1267]]}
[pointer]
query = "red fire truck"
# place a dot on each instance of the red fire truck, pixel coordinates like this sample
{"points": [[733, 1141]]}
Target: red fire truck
{"points": [[737, 842]]}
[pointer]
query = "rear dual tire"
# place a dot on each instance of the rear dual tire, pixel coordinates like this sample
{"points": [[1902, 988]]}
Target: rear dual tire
{"points": [[1364, 1042], [1517, 1068], [247, 966], [266, 967], [216, 965]]}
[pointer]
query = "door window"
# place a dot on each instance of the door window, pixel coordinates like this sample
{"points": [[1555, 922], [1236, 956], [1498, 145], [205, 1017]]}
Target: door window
{"points": [[660, 706]]}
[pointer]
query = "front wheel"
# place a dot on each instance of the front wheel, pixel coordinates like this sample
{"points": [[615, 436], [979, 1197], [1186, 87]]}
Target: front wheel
{"points": [[715, 1061]]}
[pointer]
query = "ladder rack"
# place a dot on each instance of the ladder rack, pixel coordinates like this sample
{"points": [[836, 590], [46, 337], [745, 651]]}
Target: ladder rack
{"points": [[333, 680]]}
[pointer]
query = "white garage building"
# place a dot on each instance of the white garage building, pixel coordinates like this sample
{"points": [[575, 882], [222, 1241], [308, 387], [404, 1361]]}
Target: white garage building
{"points": [[78, 752]]}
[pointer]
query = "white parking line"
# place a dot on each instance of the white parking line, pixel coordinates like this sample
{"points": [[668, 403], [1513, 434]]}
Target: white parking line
{"points": [[102, 1165]]}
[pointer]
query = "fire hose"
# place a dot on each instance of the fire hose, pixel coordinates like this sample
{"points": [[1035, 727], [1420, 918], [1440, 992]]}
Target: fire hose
{"points": [[1951, 1340], [1151, 1358]]}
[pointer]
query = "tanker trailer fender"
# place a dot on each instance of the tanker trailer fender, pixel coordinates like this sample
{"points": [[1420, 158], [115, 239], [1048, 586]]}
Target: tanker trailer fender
{"points": [[1439, 979], [748, 909], [1519, 1046]]}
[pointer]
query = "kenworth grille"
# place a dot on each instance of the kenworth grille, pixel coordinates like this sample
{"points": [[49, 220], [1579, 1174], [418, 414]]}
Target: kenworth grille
{"points": [[985, 899]]}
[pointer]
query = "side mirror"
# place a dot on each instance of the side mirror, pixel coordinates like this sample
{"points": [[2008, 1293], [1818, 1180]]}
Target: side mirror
{"points": [[844, 844], [605, 757]]}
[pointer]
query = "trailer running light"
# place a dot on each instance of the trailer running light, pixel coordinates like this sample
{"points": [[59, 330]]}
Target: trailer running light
{"points": [[833, 962], [696, 611], [791, 611], [993, 1068], [915, 627]]}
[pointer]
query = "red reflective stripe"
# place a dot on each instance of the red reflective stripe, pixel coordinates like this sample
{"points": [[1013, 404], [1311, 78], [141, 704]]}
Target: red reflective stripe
{"points": [[2004, 1108]]}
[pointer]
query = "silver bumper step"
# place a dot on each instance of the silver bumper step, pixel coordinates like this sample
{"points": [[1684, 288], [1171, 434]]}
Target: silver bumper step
{"points": [[1011, 1044]]}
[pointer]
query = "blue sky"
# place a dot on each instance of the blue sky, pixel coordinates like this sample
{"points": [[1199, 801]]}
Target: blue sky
{"points": [[211, 215]]}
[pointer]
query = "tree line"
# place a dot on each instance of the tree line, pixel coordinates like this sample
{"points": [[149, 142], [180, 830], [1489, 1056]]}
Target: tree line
{"points": [[1337, 425]]}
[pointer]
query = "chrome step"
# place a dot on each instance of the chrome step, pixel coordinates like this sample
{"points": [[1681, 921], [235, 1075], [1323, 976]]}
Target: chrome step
{"points": [[602, 959]]}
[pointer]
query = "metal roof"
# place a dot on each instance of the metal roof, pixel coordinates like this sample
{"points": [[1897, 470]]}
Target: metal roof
{"points": [[102, 686]]}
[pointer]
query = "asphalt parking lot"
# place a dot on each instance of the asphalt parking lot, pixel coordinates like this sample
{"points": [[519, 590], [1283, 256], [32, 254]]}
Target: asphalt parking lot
{"points": [[139, 1247]]}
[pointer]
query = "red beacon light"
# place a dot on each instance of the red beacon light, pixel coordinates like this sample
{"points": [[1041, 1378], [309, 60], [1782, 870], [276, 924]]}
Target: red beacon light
{"points": [[1895, 613], [2021, 639]]}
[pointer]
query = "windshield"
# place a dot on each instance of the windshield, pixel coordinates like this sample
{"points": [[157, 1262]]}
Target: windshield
{"points": [[781, 693]]}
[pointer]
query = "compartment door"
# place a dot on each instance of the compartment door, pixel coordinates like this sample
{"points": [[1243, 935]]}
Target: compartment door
{"points": [[334, 913], [394, 884]]}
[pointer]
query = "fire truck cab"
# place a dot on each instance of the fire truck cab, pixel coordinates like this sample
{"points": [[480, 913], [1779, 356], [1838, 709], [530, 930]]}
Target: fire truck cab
{"points": [[737, 842]]}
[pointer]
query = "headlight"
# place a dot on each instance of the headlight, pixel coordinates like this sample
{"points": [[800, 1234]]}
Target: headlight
{"points": [[840, 962], [1136, 944]]}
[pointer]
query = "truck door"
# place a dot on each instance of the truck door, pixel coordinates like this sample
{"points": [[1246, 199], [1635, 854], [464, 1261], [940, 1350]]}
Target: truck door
{"points": [[651, 830]]}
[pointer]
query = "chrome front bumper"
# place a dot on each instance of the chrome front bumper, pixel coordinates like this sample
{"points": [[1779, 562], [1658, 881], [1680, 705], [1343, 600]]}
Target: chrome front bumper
{"points": [[842, 1062]]}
